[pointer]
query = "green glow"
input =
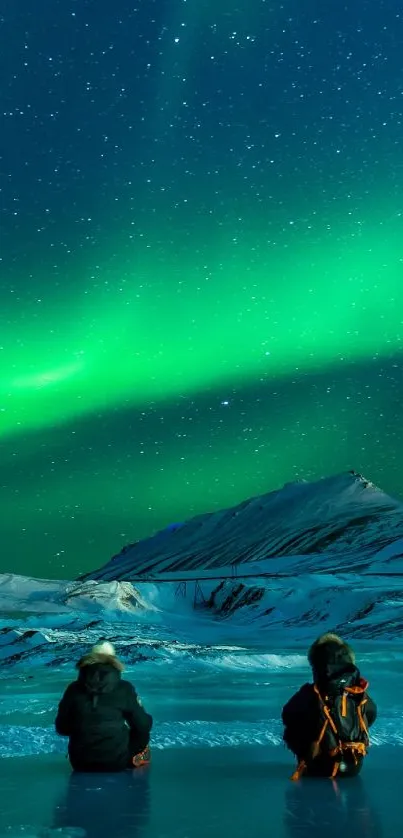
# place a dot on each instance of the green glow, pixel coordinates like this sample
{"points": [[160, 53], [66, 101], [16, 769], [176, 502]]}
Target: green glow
{"points": [[89, 508], [46, 379], [181, 329]]}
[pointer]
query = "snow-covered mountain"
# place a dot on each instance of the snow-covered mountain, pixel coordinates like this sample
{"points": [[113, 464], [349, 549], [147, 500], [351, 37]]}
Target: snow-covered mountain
{"points": [[338, 521], [307, 557], [285, 566]]}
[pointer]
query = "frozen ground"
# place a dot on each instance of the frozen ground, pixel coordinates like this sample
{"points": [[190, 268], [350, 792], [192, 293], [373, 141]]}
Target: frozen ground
{"points": [[218, 763], [215, 679]]}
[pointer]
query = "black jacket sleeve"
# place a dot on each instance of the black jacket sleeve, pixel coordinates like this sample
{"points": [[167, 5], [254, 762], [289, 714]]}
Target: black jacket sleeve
{"points": [[298, 722], [64, 713], [297, 707], [136, 717], [371, 711]]}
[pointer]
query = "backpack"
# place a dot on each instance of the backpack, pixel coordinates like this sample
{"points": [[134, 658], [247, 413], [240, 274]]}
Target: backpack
{"points": [[344, 731]]}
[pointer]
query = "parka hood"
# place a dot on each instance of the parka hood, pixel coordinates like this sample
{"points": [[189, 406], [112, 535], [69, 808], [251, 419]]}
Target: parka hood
{"points": [[99, 673], [330, 646], [93, 658], [333, 663]]}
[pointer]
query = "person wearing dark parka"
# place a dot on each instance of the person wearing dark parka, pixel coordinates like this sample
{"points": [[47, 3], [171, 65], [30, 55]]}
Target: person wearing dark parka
{"points": [[326, 723], [100, 713]]}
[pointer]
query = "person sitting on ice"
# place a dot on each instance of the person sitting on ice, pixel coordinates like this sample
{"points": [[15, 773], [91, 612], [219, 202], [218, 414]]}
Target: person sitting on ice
{"points": [[107, 726], [326, 723]]}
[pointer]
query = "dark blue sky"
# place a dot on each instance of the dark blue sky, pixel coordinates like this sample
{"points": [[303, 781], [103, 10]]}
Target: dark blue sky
{"points": [[201, 262]]}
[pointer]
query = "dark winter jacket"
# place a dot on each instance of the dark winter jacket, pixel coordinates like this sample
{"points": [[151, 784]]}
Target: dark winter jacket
{"points": [[102, 716], [334, 668]]}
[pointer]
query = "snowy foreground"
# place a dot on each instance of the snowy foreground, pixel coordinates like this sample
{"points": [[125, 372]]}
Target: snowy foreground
{"points": [[218, 763], [215, 686], [214, 659]]}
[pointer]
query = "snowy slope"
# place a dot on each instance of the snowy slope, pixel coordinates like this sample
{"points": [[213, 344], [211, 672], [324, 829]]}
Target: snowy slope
{"points": [[342, 520], [353, 606], [49, 621], [52, 623], [40, 628], [309, 558], [22, 593]]}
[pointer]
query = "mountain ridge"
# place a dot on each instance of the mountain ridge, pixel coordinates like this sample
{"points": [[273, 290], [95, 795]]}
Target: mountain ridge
{"points": [[344, 515]]}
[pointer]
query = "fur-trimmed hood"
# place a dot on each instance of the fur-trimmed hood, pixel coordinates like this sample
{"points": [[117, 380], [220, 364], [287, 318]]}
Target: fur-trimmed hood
{"points": [[333, 663], [92, 658], [333, 645], [99, 671]]}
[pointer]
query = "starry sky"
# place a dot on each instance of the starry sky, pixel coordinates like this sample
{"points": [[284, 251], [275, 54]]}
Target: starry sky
{"points": [[201, 275]]}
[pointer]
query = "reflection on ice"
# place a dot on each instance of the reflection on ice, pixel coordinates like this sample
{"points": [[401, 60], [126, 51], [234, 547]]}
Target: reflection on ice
{"points": [[218, 764], [314, 808], [97, 806], [240, 792]]}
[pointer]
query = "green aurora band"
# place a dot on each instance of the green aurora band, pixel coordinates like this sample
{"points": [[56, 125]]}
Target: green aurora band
{"points": [[308, 308]]}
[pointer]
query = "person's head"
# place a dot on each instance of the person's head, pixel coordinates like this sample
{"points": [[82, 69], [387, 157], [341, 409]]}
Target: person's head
{"points": [[104, 647], [103, 654], [328, 655]]}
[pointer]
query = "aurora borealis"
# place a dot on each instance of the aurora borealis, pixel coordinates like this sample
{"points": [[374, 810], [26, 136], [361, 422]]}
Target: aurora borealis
{"points": [[201, 262]]}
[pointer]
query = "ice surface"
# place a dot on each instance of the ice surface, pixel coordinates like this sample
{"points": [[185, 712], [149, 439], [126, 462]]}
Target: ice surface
{"points": [[215, 680], [241, 793], [218, 763]]}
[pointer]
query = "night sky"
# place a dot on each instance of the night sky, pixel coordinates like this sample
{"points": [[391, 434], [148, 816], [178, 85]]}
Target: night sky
{"points": [[201, 270]]}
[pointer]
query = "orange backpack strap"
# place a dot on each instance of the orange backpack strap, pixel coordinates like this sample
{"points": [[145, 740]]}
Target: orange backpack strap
{"points": [[315, 748], [361, 689], [328, 717], [356, 749], [299, 771], [361, 719]]}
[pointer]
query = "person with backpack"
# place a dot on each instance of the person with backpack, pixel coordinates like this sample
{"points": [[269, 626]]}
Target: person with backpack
{"points": [[107, 726], [326, 723]]}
